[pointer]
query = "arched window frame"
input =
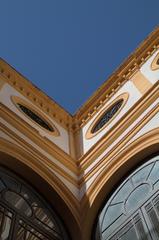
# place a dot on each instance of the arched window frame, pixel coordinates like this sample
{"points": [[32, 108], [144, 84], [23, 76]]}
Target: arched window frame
{"points": [[10, 183], [98, 234]]}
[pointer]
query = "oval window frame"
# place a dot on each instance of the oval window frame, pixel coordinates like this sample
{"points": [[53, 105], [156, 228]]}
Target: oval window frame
{"points": [[124, 96], [154, 65], [17, 100]]}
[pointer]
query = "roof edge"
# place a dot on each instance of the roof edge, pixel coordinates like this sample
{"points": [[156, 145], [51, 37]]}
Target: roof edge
{"points": [[34, 94], [118, 77]]}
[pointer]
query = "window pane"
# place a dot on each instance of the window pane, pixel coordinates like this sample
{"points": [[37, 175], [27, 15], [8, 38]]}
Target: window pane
{"points": [[28, 233], [130, 234], [43, 217], [5, 227], [137, 196], [18, 202], [107, 115], [154, 227]]}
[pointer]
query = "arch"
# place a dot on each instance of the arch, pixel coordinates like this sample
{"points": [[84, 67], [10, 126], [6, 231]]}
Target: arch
{"points": [[43, 181], [110, 177]]}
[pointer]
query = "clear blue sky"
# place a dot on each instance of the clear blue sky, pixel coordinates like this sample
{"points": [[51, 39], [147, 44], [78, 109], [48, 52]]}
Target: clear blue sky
{"points": [[68, 48]]}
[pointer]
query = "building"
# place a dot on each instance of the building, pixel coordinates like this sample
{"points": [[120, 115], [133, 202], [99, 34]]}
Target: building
{"points": [[93, 175]]}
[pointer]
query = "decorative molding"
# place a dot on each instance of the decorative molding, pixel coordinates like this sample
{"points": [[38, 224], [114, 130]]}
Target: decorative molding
{"points": [[119, 127], [32, 134], [141, 82], [119, 147], [28, 148], [155, 63], [1, 84], [101, 96], [118, 78], [105, 182], [35, 95], [33, 163]]}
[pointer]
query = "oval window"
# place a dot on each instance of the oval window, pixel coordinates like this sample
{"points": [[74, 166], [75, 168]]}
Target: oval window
{"points": [[105, 118], [35, 117], [107, 115]]}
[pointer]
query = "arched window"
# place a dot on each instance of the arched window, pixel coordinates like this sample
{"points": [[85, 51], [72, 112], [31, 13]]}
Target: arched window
{"points": [[132, 212], [24, 215]]}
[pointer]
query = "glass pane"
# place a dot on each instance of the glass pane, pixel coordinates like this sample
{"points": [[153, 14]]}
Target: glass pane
{"points": [[154, 176], [43, 217], [141, 175], [137, 196], [123, 192], [154, 221], [10, 182], [127, 232], [18, 202], [28, 233], [1, 217], [144, 235], [2, 186], [110, 112], [35, 117], [113, 212], [20, 233], [130, 234], [5, 227]]}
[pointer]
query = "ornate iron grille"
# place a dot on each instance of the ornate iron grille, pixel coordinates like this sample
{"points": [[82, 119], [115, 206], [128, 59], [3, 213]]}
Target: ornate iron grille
{"points": [[23, 214], [36, 118], [105, 118]]}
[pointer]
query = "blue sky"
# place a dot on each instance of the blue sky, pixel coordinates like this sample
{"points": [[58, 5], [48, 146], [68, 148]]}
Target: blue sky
{"points": [[68, 48]]}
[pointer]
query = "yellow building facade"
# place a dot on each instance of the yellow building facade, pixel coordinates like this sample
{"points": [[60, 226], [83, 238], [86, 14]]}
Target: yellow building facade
{"points": [[77, 165]]}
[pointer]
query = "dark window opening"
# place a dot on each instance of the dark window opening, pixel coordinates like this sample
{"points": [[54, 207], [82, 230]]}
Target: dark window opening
{"points": [[36, 118], [107, 116]]}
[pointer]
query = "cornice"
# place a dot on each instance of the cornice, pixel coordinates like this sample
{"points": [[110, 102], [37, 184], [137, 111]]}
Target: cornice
{"points": [[125, 71], [98, 99], [34, 94]]}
